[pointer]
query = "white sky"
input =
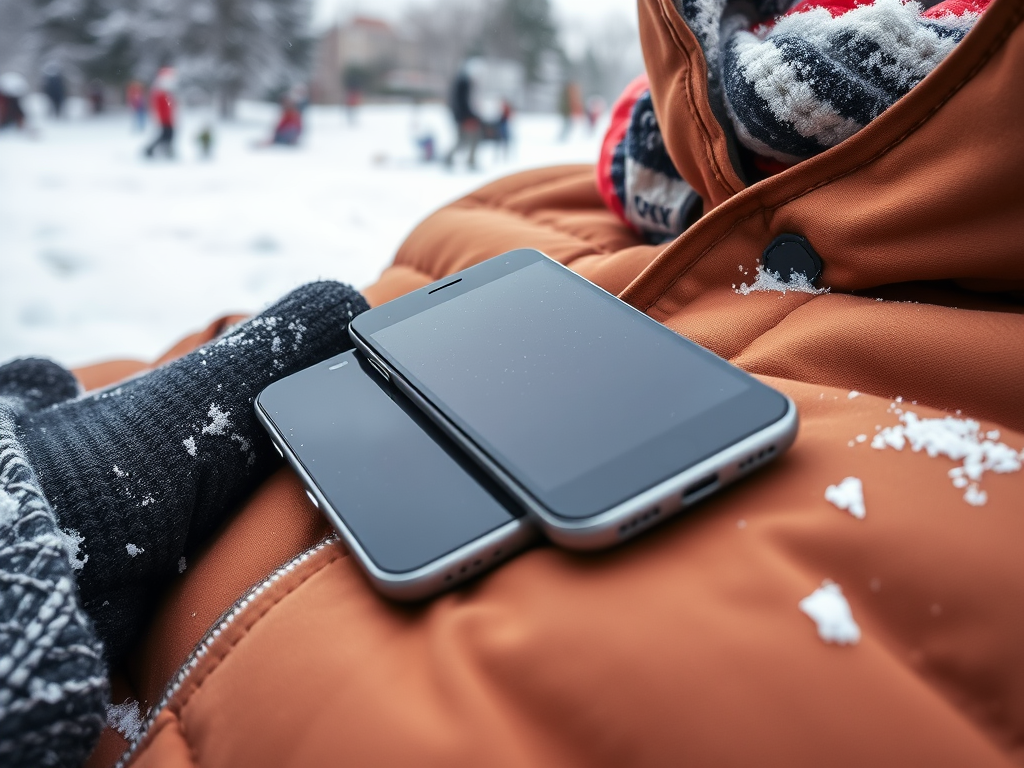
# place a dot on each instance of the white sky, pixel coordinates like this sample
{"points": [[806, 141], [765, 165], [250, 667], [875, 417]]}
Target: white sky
{"points": [[327, 11]]}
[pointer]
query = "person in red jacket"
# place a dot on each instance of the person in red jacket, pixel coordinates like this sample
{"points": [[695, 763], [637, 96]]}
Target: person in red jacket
{"points": [[289, 127], [161, 100]]}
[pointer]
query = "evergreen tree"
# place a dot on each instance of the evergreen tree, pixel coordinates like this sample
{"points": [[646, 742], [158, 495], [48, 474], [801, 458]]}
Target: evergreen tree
{"points": [[231, 47], [225, 48], [522, 30]]}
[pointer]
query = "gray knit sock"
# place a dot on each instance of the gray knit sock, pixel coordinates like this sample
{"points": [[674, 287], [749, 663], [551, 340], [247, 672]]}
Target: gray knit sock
{"points": [[145, 471], [53, 682]]}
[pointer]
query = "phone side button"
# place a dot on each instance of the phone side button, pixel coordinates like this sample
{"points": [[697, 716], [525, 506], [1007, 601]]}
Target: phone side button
{"points": [[312, 498]]}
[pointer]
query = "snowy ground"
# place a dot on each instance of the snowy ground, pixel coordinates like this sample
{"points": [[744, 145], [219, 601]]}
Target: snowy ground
{"points": [[104, 254]]}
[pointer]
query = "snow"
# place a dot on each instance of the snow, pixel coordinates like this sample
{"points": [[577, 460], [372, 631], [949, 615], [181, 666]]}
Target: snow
{"points": [[72, 541], [766, 280], [955, 438], [853, 393], [133, 551], [849, 496], [106, 255], [9, 509], [125, 718], [181, 564], [831, 612], [190, 445], [219, 421], [974, 496]]}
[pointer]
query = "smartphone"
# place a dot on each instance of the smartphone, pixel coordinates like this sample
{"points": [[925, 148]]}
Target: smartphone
{"points": [[595, 417], [416, 513]]}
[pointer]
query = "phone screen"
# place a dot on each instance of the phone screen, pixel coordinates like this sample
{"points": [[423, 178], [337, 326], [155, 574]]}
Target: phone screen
{"points": [[584, 400], [403, 489]]}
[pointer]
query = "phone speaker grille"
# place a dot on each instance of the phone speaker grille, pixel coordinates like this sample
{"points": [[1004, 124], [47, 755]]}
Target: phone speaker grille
{"points": [[639, 521], [757, 458], [468, 568]]}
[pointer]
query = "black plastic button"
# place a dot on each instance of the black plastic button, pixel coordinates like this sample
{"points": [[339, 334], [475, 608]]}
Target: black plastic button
{"points": [[789, 255]]}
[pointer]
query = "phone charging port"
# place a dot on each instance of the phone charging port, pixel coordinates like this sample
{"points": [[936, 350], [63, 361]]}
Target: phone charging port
{"points": [[701, 486]]}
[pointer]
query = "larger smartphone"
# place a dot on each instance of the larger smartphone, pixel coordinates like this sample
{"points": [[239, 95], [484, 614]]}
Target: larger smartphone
{"points": [[597, 418], [418, 515]]}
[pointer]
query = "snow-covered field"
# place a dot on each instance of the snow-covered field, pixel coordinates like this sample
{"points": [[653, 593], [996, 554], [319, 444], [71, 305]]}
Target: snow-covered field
{"points": [[104, 254]]}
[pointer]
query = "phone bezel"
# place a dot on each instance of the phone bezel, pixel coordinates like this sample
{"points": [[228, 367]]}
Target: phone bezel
{"points": [[620, 520], [436, 576]]}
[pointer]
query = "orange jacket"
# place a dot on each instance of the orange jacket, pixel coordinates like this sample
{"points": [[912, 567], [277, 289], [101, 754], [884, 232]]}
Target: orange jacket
{"points": [[685, 646]]}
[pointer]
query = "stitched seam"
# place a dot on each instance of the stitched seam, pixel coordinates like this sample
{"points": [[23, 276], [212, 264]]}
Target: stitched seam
{"points": [[153, 733], [192, 756], [479, 205], [988, 53], [691, 98], [774, 325], [543, 225], [180, 708]]}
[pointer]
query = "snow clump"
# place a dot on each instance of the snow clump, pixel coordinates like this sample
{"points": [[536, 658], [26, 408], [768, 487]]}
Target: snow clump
{"points": [[767, 280], [848, 495], [9, 508], [958, 439], [133, 551], [219, 421], [190, 445], [830, 611], [72, 541], [125, 718]]}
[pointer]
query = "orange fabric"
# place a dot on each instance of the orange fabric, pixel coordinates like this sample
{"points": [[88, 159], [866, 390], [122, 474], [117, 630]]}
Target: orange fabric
{"points": [[686, 646]]}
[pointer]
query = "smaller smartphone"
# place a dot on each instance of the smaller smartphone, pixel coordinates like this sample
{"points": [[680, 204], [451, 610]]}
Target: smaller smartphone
{"points": [[417, 514]]}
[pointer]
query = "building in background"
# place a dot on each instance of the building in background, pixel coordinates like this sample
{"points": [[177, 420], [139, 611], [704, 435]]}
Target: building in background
{"points": [[371, 57]]}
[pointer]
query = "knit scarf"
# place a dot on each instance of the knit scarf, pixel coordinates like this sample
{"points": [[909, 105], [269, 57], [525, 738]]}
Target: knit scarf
{"points": [[785, 82]]}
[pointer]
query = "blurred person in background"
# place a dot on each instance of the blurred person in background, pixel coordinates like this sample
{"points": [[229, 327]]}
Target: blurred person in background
{"points": [[12, 88], [54, 87], [204, 139], [570, 107], [289, 127], [503, 130], [467, 122], [97, 96], [161, 99], [354, 82], [135, 98], [596, 106]]}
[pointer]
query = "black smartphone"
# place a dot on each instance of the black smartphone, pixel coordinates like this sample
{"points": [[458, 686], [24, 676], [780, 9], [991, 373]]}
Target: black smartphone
{"points": [[597, 418], [417, 514]]}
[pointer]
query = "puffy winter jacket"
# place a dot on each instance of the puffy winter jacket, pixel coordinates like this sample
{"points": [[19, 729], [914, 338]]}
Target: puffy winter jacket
{"points": [[688, 645]]}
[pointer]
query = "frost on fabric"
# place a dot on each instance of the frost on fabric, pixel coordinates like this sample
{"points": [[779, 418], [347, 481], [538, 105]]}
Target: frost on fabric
{"points": [[958, 439], [244, 445], [219, 421], [190, 445], [133, 551], [125, 718], [768, 280], [72, 542], [828, 608], [298, 329], [8, 509], [849, 496]]}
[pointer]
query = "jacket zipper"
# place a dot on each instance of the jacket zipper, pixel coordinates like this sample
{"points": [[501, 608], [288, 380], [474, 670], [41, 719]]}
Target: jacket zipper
{"points": [[225, 621]]}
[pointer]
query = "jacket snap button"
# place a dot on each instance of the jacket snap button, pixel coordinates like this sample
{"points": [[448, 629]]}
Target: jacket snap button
{"points": [[789, 255]]}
